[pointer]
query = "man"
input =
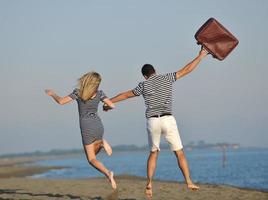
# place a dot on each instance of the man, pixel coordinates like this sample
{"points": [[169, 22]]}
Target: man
{"points": [[157, 93]]}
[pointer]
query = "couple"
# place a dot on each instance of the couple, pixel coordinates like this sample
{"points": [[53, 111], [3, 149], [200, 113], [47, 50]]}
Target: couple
{"points": [[157, 94]]}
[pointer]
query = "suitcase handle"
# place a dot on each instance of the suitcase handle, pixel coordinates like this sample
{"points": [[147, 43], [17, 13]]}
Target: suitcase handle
{"points": [[208, 52], [202, 47]]}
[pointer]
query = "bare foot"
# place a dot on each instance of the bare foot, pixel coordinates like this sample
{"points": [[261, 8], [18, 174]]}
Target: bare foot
{"points": [[149, 191], [107, 147], [111, 179], [192, 186]]}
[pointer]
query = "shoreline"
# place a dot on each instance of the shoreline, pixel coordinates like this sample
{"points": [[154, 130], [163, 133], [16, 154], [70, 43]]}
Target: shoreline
{"points": [[22, 166], [16, 183]]}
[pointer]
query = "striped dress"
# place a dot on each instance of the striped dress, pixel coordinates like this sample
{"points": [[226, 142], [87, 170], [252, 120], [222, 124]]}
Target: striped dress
{"points": [[90, 123]]}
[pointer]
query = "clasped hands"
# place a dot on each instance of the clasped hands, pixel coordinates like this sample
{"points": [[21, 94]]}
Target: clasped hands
{"points": [[106, 107]]}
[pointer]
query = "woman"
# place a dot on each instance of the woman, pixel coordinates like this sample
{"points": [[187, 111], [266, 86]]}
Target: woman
{"points": [[88, 97]]}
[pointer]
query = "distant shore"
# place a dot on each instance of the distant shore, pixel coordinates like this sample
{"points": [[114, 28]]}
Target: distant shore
{"points": [[58, 152], [20, 166], [16, 184]]}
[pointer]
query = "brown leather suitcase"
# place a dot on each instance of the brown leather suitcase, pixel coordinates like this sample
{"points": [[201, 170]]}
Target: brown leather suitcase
{"points": [[216, 39]]}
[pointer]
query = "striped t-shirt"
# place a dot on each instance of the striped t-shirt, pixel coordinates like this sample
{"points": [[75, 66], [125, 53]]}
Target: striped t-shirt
{"points": [[157, 93]]}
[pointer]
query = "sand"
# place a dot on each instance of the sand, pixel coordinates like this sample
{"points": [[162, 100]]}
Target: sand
{"points": [[14, 185]]}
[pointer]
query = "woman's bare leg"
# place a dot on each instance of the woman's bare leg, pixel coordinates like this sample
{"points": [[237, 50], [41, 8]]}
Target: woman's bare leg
{"points": [[103, 144], [91, 157], [107, 147], [97, 146]]}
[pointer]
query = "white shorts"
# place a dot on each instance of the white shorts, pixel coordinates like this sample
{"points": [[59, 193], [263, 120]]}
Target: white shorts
{"points": [[166, 125]]}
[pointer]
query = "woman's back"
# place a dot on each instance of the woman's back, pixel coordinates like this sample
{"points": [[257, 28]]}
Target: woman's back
{"points": [[89, 107]]}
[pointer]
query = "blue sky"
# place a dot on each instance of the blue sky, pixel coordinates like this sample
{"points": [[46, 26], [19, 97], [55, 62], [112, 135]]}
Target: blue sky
{"points": [[50, 44]]}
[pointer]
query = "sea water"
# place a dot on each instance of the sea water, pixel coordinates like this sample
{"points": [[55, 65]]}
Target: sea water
{"points": [[246, 168]]}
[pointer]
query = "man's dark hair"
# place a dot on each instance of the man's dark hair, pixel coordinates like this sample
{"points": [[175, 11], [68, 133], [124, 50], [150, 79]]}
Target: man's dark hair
{"points": [[147, 70]]}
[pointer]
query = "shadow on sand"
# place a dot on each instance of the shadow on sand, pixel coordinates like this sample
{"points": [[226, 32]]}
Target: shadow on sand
{"points": [[111, 196]]}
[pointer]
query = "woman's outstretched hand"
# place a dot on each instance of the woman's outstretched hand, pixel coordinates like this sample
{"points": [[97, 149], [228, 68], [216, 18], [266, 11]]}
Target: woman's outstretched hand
{"points": [[49, 92]]}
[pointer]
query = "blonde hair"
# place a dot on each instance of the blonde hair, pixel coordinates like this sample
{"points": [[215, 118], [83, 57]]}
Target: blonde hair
{"points": [[88, 85]]}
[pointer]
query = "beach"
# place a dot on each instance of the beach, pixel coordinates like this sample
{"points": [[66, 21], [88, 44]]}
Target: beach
{"points": [[15, 183]]}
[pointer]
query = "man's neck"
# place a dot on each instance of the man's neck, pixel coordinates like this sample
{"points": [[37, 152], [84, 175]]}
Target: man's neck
{"points": [[151, 75]]}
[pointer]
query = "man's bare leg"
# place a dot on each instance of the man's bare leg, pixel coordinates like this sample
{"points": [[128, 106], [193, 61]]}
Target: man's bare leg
{"points": [[182, 162], [151, 166]]}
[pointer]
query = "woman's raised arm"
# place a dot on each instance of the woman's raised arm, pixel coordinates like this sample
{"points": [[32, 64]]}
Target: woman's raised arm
{"points": [[58, 99]]}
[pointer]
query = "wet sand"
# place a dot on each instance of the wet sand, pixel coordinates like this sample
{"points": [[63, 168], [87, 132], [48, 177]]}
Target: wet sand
{"points": [[20, 166]]}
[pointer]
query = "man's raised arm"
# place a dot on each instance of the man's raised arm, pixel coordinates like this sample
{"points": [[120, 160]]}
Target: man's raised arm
{"points": [[123, 96], [119, 97], [192, 65]]}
